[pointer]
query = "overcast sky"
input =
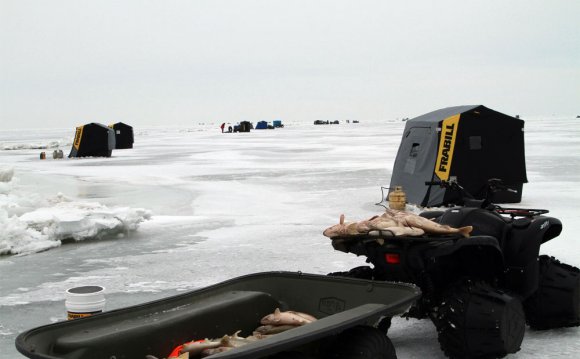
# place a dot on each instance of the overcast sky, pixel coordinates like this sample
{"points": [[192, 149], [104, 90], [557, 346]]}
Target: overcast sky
{"points": [[65, 63]]}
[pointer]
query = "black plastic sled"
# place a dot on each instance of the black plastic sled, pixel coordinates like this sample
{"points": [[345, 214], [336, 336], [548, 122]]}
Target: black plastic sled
{"points": [[346, 309]]}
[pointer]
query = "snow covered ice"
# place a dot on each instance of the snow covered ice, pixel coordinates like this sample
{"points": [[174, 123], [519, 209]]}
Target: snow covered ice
{"points": [[31, 223], [189, 207]]}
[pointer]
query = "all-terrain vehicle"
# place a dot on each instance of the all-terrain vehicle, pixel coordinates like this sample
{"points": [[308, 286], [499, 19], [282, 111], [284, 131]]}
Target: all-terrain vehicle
{"points": [[479, 291]]}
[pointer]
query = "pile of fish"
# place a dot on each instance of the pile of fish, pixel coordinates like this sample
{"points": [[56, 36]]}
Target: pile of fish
{"points": [[279, 322], [393, 223], [271, 324]]}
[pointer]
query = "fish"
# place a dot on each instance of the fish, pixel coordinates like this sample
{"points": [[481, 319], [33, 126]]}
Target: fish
{"points": [[398, 231], [306, 316], [273, 329], [342, 229], [396, 223], [257, 335], [208, 347], [211, 351], [382, 223], [195, 348], [412, 220], [284, 318], [181, 356], [235, 340], [276, 322], [375, 223]]}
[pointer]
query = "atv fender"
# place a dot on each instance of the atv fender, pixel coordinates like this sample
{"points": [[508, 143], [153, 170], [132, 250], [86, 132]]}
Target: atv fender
{"points": [[469, 243], [478, 255], [484, 222], [550, 227], [431, 214], [523, 242], [521, 250]]}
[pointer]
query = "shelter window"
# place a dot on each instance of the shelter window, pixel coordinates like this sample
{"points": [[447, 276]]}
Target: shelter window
{"points": [[415, 150], [475, 143]]}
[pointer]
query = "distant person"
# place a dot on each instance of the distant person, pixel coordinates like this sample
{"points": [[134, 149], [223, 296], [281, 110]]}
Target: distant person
{"points": [[223, 126]]}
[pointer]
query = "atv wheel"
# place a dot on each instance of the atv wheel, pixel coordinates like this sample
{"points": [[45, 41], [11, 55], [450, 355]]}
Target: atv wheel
{"points": [[362, 272], [363, 342], [476, 320], [291, 355], [384, 324], [556, 303]]}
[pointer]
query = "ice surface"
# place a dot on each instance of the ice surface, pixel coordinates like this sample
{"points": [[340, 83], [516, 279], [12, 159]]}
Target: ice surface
{"points": [[223, 205]]}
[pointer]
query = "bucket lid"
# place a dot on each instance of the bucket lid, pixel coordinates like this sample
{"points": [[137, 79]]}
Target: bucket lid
{"points": [[85, 290], [85, 294]]}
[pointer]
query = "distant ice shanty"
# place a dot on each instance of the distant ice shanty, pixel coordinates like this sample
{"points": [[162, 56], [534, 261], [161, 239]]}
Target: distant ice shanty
{"points": [[123, 135], [471, 143], [244, 126], [93, 140], [262, 125]]}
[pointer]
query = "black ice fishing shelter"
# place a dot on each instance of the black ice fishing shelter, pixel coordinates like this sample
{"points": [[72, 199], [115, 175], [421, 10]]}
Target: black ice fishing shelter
{"points": [[245, 126], [471, 143], [123, 135], [93, 140]]}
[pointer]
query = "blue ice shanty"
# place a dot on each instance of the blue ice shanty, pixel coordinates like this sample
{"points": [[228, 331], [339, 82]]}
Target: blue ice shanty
{"points": [[262, 125]]}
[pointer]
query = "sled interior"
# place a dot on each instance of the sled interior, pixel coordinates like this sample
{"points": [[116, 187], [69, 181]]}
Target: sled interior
{"points": [[157, 327]]}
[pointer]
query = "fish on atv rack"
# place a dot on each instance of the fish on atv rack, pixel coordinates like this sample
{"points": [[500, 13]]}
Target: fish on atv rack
{"points": [[479, 291]]}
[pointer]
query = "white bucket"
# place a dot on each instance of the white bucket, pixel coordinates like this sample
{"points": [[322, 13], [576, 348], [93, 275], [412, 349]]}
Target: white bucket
{"points": [[84, 301]]}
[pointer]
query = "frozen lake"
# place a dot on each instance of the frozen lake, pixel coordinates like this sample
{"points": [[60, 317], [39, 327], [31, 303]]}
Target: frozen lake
{"points": [[210, 206]]}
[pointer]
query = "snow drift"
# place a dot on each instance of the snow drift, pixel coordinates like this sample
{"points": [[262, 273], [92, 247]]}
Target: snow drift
{"points": [[31, 223]]}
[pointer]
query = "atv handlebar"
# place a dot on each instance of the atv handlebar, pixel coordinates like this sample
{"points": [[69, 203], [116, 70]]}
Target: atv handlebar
{"points": [[451, 184], [493, 185], [521, 212]]}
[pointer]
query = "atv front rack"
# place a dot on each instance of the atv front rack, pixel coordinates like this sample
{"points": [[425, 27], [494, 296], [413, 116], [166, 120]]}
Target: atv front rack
{"points": [[521, 212], [343, 243]]}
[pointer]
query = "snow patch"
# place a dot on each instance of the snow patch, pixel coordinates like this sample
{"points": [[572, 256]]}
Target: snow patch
{"points": [[56, 144], [31, 223]]}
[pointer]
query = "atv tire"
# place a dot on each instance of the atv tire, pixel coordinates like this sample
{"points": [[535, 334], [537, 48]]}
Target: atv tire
{"points": [[556, 303], [291, 355], [384, 324], [476, 320], [362, 272], [363, 342]]}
